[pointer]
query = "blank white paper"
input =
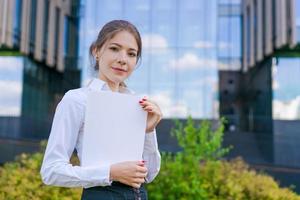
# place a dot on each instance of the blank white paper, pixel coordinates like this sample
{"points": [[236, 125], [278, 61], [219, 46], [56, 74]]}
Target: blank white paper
{"points": [[115, 127]]}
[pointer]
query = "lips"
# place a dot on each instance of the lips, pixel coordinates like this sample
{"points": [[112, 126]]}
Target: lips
{"points": [[119, 69]]}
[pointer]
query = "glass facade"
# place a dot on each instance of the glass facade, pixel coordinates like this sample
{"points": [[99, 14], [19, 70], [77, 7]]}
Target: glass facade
{"points": [[11, 78], [286, 91], [229, 35], [179, 65], [30, 90]]}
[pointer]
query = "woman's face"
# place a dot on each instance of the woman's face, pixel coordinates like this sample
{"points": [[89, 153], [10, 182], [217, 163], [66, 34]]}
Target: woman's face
{"points": [[117, 58]]}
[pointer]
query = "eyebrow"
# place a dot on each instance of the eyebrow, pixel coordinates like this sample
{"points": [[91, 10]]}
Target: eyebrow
{"points": [[131, 49]]}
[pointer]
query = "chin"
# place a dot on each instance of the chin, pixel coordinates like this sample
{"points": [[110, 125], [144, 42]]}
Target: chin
{"points": [[118, 80]]}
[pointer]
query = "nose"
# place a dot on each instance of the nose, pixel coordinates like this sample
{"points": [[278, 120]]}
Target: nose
{"points": [[122, 59]]}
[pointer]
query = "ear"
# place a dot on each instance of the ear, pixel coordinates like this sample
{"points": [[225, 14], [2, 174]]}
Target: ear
{"points": [[95, 51]]}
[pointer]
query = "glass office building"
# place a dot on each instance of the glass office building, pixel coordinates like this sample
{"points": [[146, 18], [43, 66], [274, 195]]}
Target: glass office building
{"points": [[268, 96], [38, 64], [179, 66]]}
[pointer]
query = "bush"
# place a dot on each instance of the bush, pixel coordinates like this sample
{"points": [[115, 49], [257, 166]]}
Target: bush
{"points": [[198, 173], [195, 173], [234, 180], [21, 180]]}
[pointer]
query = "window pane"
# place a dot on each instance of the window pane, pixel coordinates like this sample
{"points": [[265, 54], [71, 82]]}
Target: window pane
{"points": [[11, 79]]}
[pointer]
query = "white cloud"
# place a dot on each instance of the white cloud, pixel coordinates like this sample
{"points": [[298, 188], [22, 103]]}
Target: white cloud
{"points": [[154, 40], [10, 88], [186, 106], [203, 44], [9, 63], [168, 107], [10, 99], [287, 110], [224, 45], [192, 61], [208, 44], [275, 84], [207, 80], [10, 111], [234, 64]]}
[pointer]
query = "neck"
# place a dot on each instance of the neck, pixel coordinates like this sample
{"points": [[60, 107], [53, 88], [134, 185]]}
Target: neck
{"points": [[113, 86]]}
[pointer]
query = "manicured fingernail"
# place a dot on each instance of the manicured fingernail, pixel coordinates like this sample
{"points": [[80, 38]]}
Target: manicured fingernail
{"points": [[140, 101], [142, 162]]}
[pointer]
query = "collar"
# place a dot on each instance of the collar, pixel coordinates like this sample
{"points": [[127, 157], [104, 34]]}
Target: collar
{"points": [[97, 84]]}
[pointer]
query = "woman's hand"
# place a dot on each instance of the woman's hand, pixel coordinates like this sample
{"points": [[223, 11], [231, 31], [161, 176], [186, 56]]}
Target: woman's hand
{"points": [[154, 113], [131, 173]]}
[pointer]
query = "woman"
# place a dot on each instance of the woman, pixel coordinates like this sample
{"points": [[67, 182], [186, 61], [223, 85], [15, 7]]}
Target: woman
{"points": [[116, 51]]}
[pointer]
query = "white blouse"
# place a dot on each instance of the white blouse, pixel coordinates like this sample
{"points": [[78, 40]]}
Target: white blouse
{"points": [[66, 135]]}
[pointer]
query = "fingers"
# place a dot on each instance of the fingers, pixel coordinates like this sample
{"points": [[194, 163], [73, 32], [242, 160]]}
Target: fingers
{"points": [[149, 106], [132, 183], [135, 185], [139, 180], [141, 169], [140, 174], [133, 173]]}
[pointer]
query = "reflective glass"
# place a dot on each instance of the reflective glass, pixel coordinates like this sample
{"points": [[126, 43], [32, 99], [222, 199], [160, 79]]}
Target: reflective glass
{"points": [[175, 35], [229, 37], [286, 91], [197, 82], [11, 79]]}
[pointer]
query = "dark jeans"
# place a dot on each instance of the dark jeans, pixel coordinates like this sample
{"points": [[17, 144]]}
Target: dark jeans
{"points": [[117, 191]]}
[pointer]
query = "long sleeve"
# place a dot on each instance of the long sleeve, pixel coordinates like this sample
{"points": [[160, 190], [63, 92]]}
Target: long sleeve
{"points": [[151, 155], [56, 168]]}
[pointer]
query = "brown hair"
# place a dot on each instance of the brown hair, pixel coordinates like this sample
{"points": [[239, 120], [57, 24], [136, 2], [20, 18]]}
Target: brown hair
{"points": [[109, 30]]}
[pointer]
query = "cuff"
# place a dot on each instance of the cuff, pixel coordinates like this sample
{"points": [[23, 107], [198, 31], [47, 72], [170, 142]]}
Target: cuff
{"points": [[99, 176]]}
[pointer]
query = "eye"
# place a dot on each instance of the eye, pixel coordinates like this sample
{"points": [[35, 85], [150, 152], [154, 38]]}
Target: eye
{"points": [[114, 49], [132, 54]]}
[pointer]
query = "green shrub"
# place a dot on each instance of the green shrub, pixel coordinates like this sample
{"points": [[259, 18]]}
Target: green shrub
{"points": [[234, 180], [198, 173], [179, 177], [195, 173], [21, 180]]}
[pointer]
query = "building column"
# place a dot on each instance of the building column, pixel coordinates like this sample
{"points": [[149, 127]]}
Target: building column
{"points": [[259, 31], [6, 22], [51, 34], [26, 8], [269, 28], [292, 24], [39, 32], [3, 15], [61, 46]]}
